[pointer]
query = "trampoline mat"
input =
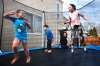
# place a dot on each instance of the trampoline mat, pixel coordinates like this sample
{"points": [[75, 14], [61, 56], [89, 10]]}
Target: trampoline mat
{"points": [[59, 57]]}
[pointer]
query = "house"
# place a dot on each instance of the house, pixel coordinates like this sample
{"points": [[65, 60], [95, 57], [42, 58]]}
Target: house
{"points": [[38, 12]]}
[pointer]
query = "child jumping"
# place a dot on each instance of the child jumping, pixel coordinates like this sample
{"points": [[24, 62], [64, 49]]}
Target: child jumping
{"points": [[74, 18], [21, 24]]}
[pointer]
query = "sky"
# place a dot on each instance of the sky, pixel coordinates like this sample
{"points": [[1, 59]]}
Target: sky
{"points": [[94, 13], [78, 3]]}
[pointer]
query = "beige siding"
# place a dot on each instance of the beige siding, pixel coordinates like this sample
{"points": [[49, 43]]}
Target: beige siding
{"points": [[34, 7], [8, 27], [44, 5]]}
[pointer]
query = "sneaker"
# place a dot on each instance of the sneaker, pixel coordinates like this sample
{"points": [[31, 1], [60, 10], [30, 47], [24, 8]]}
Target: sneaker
{"points": [[85, 49], [49, 51], [72, 50]]}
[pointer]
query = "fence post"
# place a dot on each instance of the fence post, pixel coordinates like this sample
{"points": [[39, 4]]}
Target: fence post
{"points": [[1, 26], [43, 32]]}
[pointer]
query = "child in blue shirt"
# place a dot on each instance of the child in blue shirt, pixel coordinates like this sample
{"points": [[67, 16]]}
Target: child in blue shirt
{"points": [[50, 37], [21, 25]]}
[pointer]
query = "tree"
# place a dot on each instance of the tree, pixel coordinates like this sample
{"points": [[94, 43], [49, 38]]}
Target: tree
{"points": [[93, 32]]}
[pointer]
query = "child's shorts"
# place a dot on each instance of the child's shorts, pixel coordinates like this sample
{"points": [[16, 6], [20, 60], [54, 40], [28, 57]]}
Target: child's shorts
{"points": [[22, 38]]}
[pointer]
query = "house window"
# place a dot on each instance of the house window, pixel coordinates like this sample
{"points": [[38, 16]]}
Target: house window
{"points": [[37, 24], [29, 16]]}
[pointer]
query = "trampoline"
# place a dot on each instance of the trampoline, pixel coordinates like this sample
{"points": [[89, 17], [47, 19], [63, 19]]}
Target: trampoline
{"points": [[59, 57]]}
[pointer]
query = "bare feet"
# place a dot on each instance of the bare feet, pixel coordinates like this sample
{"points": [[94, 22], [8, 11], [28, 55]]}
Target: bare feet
{"points": [[28, 60], [14, 60]]}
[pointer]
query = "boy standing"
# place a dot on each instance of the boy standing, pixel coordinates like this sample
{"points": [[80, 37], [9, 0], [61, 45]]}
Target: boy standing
{"points": [[50, 37]]}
